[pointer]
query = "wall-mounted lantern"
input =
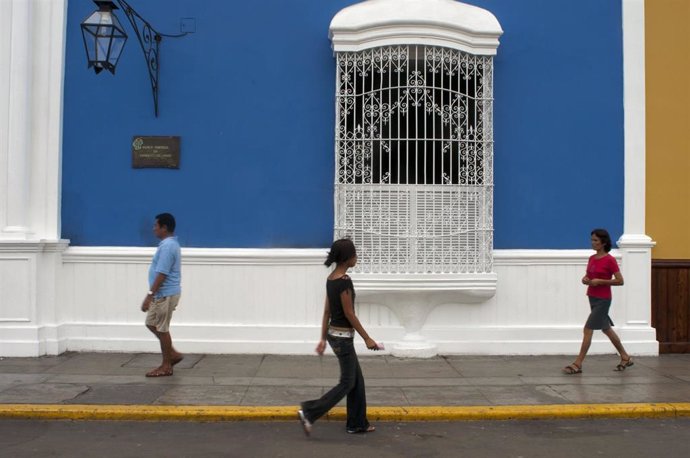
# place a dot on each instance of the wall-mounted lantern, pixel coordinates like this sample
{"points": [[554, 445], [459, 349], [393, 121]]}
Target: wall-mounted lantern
{"points": [[104, 39]]}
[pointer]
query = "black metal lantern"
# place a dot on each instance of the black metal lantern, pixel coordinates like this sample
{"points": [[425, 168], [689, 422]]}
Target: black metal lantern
{"points": [[104, 37]]}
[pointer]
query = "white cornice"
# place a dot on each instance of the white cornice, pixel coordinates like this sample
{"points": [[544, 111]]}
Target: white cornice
{"points": [[302, 256], [445, 23], [544, 257]]}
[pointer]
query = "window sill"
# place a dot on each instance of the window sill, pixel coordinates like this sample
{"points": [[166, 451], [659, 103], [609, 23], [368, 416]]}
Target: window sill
{"points": [[434, 289]]}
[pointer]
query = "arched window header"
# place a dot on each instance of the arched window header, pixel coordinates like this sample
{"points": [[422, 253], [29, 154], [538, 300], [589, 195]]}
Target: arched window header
{"points": [[445, 23]]}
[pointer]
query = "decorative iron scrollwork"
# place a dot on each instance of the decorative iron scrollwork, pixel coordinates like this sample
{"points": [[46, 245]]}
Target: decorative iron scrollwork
{"points": [[414, 158]]}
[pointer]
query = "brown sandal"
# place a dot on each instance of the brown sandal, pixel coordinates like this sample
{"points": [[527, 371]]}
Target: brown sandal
{"points": [[572, 369], [624, 364]]}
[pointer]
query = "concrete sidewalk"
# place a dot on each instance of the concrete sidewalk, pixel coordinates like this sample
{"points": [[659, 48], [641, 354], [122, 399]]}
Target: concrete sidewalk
{"points": [[276, 383]]}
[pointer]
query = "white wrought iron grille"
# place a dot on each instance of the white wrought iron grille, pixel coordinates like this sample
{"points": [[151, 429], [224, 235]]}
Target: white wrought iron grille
{"points": [[414, 159]]}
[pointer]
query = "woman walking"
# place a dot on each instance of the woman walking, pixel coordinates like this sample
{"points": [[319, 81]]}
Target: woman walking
{"points": [[337, 327], [602, 273]]}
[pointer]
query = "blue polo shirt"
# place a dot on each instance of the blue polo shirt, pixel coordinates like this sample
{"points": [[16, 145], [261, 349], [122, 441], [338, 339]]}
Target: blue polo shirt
{"points": [[166, 261]]}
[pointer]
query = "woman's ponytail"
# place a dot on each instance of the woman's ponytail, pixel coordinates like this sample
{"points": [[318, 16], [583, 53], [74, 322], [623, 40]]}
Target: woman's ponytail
{"points": [[330, 259], [341, 251]]}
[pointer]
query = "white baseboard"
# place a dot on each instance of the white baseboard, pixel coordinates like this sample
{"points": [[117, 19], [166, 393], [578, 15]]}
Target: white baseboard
{"points": [[222, 339]]}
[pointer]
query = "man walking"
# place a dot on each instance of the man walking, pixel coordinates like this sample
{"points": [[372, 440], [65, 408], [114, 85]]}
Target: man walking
{"points": [[164, 292]]}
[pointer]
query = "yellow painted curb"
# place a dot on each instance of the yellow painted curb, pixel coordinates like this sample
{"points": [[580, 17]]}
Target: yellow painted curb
{"points": [[529, 412], [284, 413]]}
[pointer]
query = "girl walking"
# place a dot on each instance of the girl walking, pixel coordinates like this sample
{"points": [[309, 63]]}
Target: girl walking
{"points": [[338, 327], [602, 273]]}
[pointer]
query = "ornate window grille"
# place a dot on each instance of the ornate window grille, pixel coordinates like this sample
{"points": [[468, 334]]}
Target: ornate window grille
{"points": [[414, 159]]}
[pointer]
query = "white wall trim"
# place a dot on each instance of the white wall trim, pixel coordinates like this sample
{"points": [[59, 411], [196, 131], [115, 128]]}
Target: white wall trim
{"points": [[538, 305]]}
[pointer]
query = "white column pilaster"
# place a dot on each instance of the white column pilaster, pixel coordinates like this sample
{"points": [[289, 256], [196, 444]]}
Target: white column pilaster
{"points": [[634, 118], [18, 151], [5, 45], [32, 56], [635, 245]]}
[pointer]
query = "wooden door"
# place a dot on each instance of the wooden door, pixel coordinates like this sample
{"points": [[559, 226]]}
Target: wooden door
{"points": [[671, 305]]}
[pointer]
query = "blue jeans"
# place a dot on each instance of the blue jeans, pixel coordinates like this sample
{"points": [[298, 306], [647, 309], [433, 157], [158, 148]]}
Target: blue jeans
{"points": [[351, 384]]}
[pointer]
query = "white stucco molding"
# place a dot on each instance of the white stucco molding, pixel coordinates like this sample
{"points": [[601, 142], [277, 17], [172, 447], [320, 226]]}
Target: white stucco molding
{"points": [[446, 23]]}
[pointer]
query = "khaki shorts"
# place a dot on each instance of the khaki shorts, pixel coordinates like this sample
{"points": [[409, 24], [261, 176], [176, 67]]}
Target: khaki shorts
{"points": [[160, 312]]}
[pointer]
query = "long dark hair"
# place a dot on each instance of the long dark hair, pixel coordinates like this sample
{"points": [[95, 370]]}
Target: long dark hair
{"points": [[341, 251], [603, 235]]}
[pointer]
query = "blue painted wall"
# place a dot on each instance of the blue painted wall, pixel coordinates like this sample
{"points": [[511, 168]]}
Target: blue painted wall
{"points": [[558, 122], [251, 95]]}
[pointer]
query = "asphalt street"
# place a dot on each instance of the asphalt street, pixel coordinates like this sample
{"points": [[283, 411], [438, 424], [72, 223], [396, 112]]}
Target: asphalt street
{"points": [[668, 438]]}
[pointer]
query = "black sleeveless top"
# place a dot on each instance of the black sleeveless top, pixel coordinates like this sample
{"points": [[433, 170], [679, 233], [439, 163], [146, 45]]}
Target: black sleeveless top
{"points": [[333, 290]]}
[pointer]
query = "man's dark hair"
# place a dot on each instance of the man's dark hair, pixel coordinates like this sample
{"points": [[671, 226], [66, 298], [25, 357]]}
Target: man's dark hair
{"points": [[166, 220], [603, 235], [341, 251]]}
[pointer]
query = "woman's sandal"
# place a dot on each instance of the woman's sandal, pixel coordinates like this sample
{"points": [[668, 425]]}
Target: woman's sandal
{"points": [[158, 372], [572, 369], [624, 364]]}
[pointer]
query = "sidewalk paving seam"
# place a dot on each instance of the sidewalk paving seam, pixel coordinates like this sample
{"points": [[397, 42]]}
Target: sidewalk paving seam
{"points": [[379, 413]]}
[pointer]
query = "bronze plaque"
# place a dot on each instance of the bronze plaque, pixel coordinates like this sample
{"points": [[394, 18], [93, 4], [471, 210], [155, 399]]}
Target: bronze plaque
{"points": [[156, 152]]}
